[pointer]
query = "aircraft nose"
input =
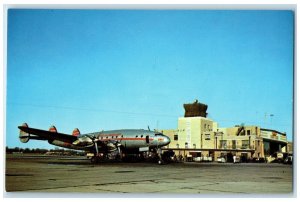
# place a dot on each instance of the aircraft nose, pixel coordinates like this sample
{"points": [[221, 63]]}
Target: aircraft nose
{"points": [[167, 140]]}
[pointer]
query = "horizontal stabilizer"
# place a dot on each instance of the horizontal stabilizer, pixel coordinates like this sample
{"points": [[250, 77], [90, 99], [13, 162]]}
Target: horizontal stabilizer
{"points": [[27, 133]]}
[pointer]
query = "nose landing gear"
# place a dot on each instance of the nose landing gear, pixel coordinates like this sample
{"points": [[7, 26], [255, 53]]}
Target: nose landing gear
{"points": [[159, 154]]}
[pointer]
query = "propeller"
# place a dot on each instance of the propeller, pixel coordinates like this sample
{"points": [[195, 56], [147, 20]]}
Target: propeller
{"points": [[96, 147], [95, 143]]}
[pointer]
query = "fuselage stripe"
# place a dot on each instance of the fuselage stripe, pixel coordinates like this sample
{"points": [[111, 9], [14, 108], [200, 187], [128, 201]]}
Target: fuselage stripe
{"points": [[125, 138]]}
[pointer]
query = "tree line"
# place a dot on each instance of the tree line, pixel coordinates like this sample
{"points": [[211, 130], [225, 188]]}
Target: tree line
{"points": [[40, 151]]}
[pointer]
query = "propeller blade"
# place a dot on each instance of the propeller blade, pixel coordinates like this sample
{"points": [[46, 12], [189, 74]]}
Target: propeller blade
{"points": [[96, 147]]}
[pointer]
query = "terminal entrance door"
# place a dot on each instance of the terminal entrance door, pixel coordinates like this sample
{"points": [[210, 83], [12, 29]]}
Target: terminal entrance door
{"points": [[212, 155], [244, 157], [229, 157]]}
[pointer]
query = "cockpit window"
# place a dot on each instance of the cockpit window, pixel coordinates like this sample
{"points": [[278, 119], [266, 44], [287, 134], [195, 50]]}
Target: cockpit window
{"points": [[158, 134]]}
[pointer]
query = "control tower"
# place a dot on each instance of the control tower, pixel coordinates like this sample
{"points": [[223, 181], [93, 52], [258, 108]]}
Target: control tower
{"points": [[195, 109]]}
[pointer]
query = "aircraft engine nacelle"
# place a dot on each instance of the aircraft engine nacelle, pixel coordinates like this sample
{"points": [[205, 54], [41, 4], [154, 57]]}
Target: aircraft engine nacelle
{"points": [[111, 146]]}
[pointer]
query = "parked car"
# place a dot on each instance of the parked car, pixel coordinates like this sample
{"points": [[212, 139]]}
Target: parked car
{"points": [[258, 160], [221, 159]]}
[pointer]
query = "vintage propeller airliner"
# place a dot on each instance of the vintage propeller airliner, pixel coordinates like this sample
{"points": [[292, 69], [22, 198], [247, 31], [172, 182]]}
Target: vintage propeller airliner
{"points": [[122, 141]]}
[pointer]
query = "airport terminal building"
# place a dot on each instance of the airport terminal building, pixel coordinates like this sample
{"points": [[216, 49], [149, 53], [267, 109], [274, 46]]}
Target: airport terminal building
{"points": [[198, 137]]}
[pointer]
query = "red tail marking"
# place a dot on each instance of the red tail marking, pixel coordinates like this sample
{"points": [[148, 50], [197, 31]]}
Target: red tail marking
{"points": [[53, 129]]}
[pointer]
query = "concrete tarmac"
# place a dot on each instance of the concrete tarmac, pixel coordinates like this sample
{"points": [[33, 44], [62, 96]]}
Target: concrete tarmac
{"points": [[54, 174]]}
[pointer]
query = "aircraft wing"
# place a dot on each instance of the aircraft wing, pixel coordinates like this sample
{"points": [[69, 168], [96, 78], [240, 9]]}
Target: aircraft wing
{"points": [[26, 134]]}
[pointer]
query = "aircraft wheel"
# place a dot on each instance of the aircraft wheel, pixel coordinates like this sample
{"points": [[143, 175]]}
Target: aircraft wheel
{"points": [[118, 157]]}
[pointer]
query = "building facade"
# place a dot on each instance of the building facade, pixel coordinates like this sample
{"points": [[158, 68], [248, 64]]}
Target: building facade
{"points": [[201, 137]]}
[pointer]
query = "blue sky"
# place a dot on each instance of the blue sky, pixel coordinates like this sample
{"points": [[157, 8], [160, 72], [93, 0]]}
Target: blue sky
{"points": [[112, 69]]}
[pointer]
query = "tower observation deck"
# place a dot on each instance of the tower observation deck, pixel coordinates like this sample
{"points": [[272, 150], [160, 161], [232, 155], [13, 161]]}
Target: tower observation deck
{"points": [[195, 109]]}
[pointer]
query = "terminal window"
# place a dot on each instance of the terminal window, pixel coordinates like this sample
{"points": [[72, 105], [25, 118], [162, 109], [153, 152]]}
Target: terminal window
{"points": [[175, 137], [207, 136], [245, 144], [223, 144], [233, 144]]}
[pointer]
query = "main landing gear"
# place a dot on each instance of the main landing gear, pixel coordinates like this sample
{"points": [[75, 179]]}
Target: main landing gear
{"points": [[114, 155]]}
